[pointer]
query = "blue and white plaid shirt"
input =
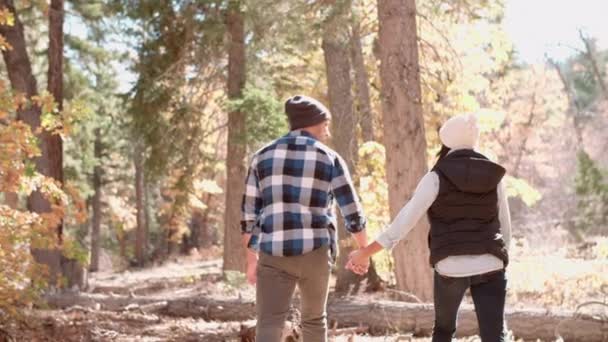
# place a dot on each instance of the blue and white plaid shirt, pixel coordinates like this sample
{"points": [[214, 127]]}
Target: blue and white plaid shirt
{"points": [[289, 196]]}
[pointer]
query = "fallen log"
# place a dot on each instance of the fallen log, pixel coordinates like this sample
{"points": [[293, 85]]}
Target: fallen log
{"points": [[418, 318], [141, 288], [379, 316], [197, 307]]}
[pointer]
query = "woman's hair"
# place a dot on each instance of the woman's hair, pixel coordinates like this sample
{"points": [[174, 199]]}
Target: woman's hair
{"points": [[443, 152]]}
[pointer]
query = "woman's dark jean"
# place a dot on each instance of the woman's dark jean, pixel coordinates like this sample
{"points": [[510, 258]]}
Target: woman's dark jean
{"points": [[488, 291]]}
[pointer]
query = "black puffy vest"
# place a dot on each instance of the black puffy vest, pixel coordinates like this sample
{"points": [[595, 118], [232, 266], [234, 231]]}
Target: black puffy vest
{"points": [[464, 217]]}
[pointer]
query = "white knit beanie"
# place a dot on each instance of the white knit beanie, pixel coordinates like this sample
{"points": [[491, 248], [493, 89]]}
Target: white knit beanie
{"points": [[460, 131]]}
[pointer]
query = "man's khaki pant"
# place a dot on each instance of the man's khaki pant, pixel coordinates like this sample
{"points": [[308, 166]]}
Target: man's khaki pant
{"points": [[277, 278]]}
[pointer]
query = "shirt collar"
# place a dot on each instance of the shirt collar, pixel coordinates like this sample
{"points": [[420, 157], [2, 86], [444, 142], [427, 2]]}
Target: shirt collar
{"points": [[300, 132]]}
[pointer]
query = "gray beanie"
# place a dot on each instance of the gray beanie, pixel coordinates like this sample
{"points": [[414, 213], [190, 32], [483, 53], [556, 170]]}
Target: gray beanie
{"points": [[304, 111]]}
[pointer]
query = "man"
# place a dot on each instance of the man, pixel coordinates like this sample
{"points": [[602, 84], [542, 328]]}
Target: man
{"points": [[287, 217]]}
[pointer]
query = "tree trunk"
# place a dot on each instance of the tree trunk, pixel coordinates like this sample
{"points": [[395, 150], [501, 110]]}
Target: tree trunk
{"points": [[140, 231], [96, 220], [234, 253], [53, 142], [195, 229], [18, 66], [379, 316], [404, 136], [206, 236], [23, 81], [337, 66], [147, 216], [363, 102], [337, 63]]}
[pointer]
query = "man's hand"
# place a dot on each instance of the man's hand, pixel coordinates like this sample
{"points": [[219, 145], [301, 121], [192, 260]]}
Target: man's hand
{"points": [[252, 266], [358, 262], [252, 261]]}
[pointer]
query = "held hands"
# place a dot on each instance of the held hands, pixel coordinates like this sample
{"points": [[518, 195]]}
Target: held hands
{"points": [[358, 262]]}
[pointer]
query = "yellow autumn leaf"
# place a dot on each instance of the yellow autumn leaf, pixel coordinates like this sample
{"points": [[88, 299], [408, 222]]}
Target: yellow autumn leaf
{"points": [[6, 17]]}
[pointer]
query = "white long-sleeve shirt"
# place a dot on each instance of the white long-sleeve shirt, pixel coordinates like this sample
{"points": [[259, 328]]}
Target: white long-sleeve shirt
{"points": [[452, 266]]}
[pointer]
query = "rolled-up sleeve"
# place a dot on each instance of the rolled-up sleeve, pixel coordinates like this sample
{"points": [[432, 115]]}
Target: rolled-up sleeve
{"points": [[345, 194], [251, 206], [424, 196]]}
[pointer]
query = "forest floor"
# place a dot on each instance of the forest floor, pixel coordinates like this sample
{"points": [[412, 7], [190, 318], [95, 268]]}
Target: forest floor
{"points": [[563, 279]]}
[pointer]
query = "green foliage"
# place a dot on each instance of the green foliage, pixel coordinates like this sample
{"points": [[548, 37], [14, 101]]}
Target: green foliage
{"points": [[265, 115], [579, 72], [518, 187], [21, 278], [591, 186]]}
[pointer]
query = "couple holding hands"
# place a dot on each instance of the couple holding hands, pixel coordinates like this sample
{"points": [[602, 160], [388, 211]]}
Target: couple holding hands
{"points": [[289, 228]]}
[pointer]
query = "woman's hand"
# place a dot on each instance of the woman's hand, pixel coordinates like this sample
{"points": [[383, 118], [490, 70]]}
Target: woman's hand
{"points": [[358, 261]]}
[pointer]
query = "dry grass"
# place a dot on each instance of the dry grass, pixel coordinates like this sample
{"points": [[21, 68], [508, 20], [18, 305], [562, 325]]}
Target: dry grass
{"points": [[561, 279]]}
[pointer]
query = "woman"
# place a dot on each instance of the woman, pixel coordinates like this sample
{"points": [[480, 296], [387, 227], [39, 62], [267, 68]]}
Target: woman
{"points": [[467, 208]]}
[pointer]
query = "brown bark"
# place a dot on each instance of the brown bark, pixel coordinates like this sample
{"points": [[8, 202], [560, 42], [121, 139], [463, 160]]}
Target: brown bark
{"points": [[23, 81], [18, 65], [234, 253], [195, 226], [419, 318], [339, 85], [338, 67], [147, 217], [11, 199], [140, 231], [53, 142], [379, 316], [404, 136], [96, 204], [363, 101], [50, 163]]}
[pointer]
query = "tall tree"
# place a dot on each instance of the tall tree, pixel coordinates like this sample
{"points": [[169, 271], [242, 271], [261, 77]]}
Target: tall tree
{"points": [[165, 48], [52, 145], [339, 83], [50, 162], [96, 204], [141, 238], [363, 101], [234, 255], [404, 135], [336, 48]]}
